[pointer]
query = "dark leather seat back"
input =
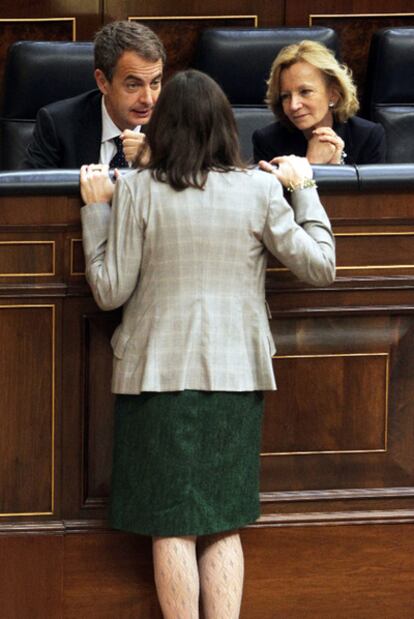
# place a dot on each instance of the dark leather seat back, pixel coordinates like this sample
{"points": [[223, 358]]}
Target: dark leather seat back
{"points": [[249, 119], [38, 73], [390, 90], [15, 136], [240, 59]]}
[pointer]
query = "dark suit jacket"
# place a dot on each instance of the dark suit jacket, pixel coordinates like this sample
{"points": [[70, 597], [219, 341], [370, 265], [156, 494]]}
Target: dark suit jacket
{"points": [[67, 133], [364, 141]]}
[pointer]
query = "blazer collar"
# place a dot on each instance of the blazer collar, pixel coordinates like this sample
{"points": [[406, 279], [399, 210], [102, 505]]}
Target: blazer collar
{"points": [[91, 128]]}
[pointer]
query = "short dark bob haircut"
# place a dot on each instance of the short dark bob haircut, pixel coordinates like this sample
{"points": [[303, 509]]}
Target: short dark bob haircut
{"points": [[192, 131]]}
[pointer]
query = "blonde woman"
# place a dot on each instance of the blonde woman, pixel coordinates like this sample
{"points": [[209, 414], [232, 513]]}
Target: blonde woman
{"points": [[314, 100]]}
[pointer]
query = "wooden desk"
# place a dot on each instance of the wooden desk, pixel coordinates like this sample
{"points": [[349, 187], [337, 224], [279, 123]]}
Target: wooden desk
{"points": [[338, 439]]}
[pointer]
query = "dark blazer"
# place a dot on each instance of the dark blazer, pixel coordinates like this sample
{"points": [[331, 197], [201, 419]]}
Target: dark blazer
{"points": [[67, 133], [364, 141]]}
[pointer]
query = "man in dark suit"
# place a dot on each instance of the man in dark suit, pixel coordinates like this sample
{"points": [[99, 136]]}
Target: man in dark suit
{"points": [[104, 125]]}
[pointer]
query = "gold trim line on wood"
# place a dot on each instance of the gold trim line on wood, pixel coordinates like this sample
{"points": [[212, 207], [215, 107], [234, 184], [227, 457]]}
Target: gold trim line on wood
{"points": [[72, 272], [53, 421], [335, 494], [359, 267], [53, 415], [342, 451], [368, 516], [339, 15], [183, 17], [13, 20], [373, 233], [339, 354], [25, 514], [370, 15], [351, 268], [387, 387], [338, 268], [47, 274], [331, 452]]}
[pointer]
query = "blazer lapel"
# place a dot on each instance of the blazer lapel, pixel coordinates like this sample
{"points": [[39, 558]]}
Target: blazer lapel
{"points": [[90, 131], [341, 129]]}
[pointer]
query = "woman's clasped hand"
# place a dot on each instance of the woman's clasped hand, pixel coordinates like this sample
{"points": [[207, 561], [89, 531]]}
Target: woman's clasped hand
{"points": [[95, 183], [325, 146]]}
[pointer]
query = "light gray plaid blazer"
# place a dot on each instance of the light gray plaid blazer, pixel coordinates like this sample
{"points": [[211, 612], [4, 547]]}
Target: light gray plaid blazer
{"points": [[189, 268]]}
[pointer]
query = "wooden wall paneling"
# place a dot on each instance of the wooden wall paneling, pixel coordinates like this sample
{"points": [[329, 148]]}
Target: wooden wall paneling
{"points": [[32, 270], [73, 406], [364, 251], [98, 409], [28, 257], [181, 49], [370, 209], [77, 259], [29, 416], [109, 575], [179, 24], [88, 13], [69, 20], [309, 347], [32, 284], [31, 576], [355, 33], [374, 236], [269, 13], [29, 29], [323, 572], [297, 13], [374, 260], [38, 214], [345, 372], [369, 251], [290, 572], [338, 414], [86, 408], [355, 24], [334, 431]]}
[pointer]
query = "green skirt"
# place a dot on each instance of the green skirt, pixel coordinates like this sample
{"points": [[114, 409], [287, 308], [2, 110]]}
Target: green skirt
{"points": [[186, 463]]}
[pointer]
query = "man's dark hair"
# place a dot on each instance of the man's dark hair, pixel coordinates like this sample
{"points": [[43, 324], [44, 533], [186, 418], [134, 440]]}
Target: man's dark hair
{"points": [[192, 131], [118, 37]]}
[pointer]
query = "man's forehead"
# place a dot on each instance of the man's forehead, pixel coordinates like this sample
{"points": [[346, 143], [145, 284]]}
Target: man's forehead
{"points": [[131, 63]]}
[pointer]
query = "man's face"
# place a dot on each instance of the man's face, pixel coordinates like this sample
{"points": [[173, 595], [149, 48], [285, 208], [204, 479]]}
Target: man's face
{"points": [[133, 91]]}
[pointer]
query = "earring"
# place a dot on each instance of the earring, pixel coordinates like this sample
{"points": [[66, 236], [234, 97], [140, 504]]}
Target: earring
{"points": [[331, 104]]}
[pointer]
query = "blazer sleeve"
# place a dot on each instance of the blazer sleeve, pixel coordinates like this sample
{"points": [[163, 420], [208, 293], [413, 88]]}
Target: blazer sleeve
{"points": [[262, 148], [112, 242], [374, 150], [258, 152], [300, 237], [43, 151]]}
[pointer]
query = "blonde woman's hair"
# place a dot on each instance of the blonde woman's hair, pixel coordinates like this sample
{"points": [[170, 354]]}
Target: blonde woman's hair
{"points": [[337, 75]]}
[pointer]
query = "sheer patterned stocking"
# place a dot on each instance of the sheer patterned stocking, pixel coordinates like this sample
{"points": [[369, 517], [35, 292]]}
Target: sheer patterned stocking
{"points": [[221, 568], [176, 576]]}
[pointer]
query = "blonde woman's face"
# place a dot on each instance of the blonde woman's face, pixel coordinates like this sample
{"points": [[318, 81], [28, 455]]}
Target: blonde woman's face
{"points": [[305, 97]]}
